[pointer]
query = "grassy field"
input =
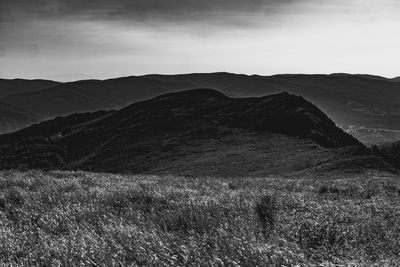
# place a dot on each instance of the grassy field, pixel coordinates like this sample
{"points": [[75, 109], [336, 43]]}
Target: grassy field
{"points": [[77, 218]]}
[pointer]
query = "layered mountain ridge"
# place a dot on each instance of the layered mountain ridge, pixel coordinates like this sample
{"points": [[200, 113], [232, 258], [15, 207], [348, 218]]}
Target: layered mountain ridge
{"points": [[364, 105], [194, 131]]}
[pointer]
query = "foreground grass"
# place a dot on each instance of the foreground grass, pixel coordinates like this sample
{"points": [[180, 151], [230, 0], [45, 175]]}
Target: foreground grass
{"points": [[77, 218]]}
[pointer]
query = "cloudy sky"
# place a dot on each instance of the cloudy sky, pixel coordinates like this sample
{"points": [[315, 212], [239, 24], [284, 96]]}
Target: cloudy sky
{"points": [[79, 39]]}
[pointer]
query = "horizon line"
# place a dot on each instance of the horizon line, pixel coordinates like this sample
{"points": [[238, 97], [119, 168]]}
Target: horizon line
{"points": [[194, 73]]}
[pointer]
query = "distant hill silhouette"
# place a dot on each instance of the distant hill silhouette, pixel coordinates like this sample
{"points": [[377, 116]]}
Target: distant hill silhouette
{"points": [[60, 99], [91, 95], [366, 105], [367, 76], [16, 86], [12, 117], [196, 131], [396, 79]]}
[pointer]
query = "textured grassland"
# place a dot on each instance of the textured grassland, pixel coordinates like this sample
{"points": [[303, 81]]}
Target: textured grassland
{"points": [[77, 218]]}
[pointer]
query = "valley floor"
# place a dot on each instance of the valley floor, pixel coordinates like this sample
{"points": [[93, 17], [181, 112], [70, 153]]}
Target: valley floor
{"points": [[78, 218]]}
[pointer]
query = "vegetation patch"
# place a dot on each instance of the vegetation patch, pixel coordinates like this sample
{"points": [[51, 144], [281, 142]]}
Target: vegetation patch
{"points": [[78, 218]]}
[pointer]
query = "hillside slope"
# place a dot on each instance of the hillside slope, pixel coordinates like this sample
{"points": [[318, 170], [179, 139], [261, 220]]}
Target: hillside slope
{"points": [[364, 105], [16, 86], [13, 118], [91, 95], [195, 131]]}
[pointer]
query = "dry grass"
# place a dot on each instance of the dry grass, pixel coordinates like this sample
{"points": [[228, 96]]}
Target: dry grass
{"points": [[77, 218]]}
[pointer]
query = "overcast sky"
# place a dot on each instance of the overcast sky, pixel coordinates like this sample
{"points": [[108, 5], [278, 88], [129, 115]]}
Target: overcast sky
{"points": [[79, 39]]}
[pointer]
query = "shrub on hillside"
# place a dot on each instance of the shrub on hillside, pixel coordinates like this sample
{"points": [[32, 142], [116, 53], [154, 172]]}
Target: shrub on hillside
{"points": [[266, 210]]}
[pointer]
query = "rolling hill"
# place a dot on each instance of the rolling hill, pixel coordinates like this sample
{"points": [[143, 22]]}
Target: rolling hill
{"points": [[91, 95], [364, 105], [396, 79], [199, 131], [40, 100], [13, 118], [16, 86]]}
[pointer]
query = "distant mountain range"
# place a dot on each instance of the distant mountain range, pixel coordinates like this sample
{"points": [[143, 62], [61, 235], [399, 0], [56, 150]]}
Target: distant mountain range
{"points": [[14, 117], [200, 131], [16, 86], [365, 105]]}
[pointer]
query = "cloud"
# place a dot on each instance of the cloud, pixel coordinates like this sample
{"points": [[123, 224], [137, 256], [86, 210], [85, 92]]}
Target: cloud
{"points": [[103, 38], [61, 23], [138, 10]]}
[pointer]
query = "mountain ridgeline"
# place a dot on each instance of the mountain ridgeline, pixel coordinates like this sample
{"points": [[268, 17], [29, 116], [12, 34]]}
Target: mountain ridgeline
{"points": [[14, 117], [364, 105], [184, 132]]}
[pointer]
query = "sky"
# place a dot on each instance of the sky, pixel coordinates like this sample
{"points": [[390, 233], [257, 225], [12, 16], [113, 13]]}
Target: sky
{"points": [[69, 40]]}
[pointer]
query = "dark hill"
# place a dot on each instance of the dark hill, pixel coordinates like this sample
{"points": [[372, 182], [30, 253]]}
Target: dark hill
{"points": [[16, 86], [282, 113], [396, 79], [91, 95], [40, 100], [198, 131], [12, 117], [366, 106]]}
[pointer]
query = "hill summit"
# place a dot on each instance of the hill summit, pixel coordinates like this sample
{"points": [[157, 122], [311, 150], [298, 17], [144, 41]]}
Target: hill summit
{"points": [[177, 131]]}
